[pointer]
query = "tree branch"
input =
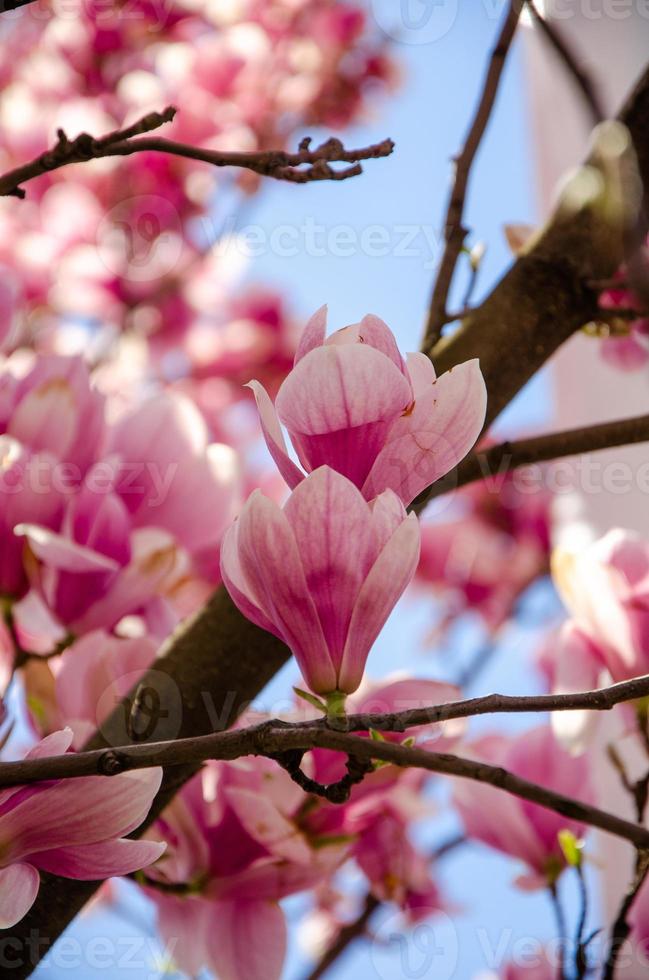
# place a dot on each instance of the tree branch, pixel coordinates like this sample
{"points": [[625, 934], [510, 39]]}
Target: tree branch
{"points": [[547, 294], [276, 736], [583, 82], [301, 167], [271, 738], [454, 232], [507, 456], [621, 927], [219, 658]]}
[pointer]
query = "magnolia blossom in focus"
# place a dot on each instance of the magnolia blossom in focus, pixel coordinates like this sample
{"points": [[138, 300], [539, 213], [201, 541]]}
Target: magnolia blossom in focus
{"points": [[524, 830], [351, 402], [323, 573], [75, 828]]}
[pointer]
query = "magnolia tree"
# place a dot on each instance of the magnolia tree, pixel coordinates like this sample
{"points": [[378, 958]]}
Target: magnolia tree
{"points": [[158, 567]]}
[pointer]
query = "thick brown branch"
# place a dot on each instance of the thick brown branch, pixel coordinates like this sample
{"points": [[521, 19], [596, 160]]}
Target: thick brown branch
{"points": [[547, 294], [221, 659], [454, 232], [583, 82], [498, 460], [300, 167]]}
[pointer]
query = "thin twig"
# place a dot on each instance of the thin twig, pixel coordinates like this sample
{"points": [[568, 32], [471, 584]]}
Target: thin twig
{"points": [[499, 460], [275, 736], [582, 79], [272, 737], [560, 921], [581, 958], [454, 232], [621, 927], [300, 167], [358, 928]]}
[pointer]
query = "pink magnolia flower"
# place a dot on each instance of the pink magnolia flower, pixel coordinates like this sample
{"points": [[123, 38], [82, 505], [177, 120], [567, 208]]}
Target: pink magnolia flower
{"points": [[55, 409], [75, 828], [171, 477], [352, 403], [235, 842], [606, 589], [516, 827], [323, 573]]}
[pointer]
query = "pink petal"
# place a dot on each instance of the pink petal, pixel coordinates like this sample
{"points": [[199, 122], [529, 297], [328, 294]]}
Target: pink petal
{"points": [[274, 437], [430, 440], [332, 524], [57, 743], [184, 925], [247, 940], [313, 334], [390, 574], [241, 591], [421, 371], [90, 862], [19, 884], [375, 332], [341, 387], [62, 553], [47, 417], [387, 514], [496, 819], [624, 353], [578, 667], [37, 628], [53, 817], [272, 564], [266, 824], [155, 555]]}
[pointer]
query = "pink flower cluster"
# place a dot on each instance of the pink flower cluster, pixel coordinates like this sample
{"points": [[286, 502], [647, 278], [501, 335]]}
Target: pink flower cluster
{"points": [[142, 257], [240, 837], [95, 519], [372, 431]]}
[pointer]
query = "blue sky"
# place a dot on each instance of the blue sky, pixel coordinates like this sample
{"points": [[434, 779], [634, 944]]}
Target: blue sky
{"points": [[329, 250]]}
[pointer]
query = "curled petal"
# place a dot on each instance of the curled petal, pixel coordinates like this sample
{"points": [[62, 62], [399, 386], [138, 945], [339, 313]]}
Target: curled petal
{"points": [[313, 334], [89, 862], [241, 591], [428, 441], [19, 884], [274, 436]]}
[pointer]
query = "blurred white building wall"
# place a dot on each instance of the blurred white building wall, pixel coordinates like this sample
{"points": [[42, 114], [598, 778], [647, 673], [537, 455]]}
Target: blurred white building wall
{"points": [[611, 38]]}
